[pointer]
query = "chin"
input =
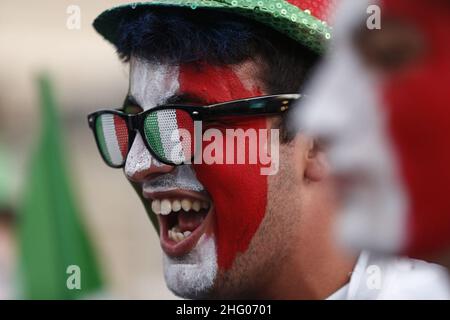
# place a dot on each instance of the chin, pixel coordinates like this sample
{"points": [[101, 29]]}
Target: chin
{"points": [[192, 276], [186, 221], [375, 224]]}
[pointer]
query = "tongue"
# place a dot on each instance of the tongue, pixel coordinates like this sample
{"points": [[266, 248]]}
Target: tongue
{"points": [[189, 221]]}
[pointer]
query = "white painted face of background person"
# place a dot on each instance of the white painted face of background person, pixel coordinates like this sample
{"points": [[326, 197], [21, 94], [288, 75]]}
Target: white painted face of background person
{"points": [[343, 111]]}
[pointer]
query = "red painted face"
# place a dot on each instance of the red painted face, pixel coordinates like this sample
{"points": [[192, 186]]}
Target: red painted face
{"points": [[419, 124], [239, 191]]}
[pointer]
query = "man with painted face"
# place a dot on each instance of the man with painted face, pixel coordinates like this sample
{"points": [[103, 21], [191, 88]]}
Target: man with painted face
{"points": [[226, 229], [388, 139]]}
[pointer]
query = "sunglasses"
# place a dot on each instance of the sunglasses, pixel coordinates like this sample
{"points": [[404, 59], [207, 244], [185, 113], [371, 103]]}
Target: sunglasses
{"points": [[167, 129]]}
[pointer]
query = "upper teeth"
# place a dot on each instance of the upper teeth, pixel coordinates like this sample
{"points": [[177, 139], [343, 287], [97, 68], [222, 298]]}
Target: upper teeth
{"points": [[166, 206]]}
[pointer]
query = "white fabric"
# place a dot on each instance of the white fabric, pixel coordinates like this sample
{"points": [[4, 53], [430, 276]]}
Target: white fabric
{"points": [[377, 277]]}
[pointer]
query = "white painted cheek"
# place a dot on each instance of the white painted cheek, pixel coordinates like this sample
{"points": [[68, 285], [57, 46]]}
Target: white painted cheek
{"points": [[139, 158]]}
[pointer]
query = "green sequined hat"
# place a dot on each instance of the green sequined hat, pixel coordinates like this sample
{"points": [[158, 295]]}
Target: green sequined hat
{"points": [[303, 20]]}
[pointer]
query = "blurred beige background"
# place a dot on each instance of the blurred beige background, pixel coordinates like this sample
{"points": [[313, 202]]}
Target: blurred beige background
{"points": [[86, 75]]}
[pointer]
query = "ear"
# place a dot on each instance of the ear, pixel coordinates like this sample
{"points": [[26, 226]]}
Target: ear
{"points": [[316, 164]]}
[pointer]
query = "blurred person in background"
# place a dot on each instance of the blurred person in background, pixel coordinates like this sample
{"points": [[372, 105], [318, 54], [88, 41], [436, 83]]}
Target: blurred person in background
{"points": [[227, 231], [7, 230], [386, 131], [7, 252]]}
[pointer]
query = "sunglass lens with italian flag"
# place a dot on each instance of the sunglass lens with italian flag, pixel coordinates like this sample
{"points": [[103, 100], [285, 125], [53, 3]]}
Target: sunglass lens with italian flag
{"points": [[168, 134], [112, 137]]}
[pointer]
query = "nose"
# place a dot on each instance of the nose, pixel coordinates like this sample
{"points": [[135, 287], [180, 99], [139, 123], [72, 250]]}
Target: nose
{"points": [[140, 165]]}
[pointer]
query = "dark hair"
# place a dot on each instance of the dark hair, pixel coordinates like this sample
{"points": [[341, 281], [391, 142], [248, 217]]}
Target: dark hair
{"points": [[178, 36]]}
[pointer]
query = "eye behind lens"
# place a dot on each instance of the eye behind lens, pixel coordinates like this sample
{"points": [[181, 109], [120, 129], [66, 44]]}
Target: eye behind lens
{"points": [[112, 137]]}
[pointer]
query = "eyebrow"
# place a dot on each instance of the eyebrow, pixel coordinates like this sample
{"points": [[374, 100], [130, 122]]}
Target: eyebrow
{"points": [[185, 98]]}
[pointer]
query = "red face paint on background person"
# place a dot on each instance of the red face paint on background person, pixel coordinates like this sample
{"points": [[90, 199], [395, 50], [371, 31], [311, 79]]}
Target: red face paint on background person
{"points": [[239, 192], [387, 129], [417, 100]]}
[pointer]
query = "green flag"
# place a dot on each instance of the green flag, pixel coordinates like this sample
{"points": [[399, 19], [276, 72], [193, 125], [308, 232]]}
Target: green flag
{"points": [[4, 179], [57, 259]]}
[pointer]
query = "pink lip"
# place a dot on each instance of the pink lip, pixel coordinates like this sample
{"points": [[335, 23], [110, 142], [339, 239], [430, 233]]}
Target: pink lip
{"points": [[179, 249], [179, 193]]}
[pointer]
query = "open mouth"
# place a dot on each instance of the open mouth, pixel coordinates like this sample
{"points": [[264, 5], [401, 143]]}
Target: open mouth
{"points": [[183, 217]]}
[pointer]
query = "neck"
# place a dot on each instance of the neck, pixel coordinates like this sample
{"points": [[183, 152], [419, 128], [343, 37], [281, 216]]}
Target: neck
{"points": [[316, 268]]}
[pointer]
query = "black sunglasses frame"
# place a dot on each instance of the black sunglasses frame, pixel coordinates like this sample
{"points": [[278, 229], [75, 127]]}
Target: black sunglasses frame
{"points": [[258, 106]]}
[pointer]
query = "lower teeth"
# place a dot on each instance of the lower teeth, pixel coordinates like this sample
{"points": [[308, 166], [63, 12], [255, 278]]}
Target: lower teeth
{"points": [[176, 235]]}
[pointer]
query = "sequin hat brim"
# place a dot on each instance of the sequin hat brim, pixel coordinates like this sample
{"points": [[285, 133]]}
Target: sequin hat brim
{"points": [[282, 16]]}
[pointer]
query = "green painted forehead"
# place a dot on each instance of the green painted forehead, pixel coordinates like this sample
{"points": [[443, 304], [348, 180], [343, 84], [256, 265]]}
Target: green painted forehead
{"points": [[282, 16]]}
